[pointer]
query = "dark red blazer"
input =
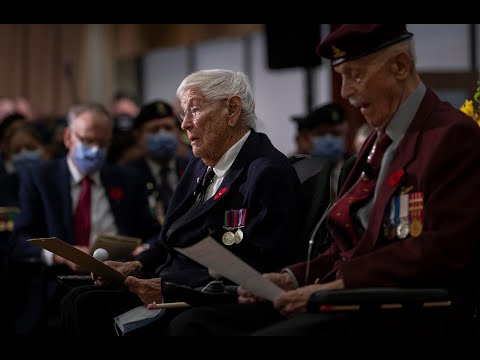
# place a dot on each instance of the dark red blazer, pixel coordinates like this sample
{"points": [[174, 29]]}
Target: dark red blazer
{"points": [[439, 156]]}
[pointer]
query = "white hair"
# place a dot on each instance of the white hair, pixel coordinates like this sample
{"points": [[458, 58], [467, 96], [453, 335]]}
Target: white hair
{"points": [[219, 84]]}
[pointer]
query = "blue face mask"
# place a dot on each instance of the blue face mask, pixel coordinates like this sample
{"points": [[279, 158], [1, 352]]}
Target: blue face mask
{"points": [[328, 147], [161, 145], [88, 158], [26, 158]]}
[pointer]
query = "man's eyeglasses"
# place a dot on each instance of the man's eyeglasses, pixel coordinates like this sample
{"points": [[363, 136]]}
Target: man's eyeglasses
{"points": [[91, 142], [193, 111]]}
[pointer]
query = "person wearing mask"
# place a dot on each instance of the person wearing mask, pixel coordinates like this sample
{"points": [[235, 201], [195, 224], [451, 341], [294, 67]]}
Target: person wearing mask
{"points": [[322, 134], [78, 197], [238, 189], [23, 147], [406, 216], [157, 132], [123, 109]]}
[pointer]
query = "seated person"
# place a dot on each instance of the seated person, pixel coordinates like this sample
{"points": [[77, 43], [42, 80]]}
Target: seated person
{"points": [[406, 215], [157, 132], [238, 188], [78, 197], [22, 146], [322, 134]]}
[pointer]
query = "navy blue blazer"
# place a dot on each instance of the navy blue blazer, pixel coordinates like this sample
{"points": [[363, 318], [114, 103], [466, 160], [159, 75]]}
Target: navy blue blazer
{"points": [[262, 181], [8, 198], [46, 205]]}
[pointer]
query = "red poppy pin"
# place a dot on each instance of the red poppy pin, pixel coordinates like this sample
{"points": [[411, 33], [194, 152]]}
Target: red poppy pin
{"points": [[116, 193], [220, 193], [396, 177]]}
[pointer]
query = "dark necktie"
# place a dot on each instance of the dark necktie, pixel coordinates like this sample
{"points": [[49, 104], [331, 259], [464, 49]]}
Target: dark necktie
{"points": [[341, 218], [165, 191], [82, 223], [206, 181]]}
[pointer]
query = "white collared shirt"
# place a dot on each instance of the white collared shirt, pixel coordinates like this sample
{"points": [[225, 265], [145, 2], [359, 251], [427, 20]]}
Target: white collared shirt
{"points": [[101, 216], [223, 165]]}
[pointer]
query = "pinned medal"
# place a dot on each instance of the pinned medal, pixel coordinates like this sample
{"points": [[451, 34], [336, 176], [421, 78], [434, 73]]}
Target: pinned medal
{"points": [[416, 214], [238, 236], [403, 230], [416, 228], [228, 238], [234, 219]]}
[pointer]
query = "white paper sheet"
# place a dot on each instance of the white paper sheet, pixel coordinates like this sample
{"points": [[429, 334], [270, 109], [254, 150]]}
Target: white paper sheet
{"points": [[218, 259]]}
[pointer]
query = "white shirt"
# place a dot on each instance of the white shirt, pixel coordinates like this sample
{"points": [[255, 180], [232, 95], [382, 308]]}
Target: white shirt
{"points": [[101, 216], [223, 165]]}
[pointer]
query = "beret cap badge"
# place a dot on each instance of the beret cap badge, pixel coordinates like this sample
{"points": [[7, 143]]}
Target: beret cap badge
{"points": [[161, 108], [337, 53]]}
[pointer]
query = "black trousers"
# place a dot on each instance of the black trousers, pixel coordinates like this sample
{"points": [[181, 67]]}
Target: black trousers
{"points": [[262, 319], [90, 310]]}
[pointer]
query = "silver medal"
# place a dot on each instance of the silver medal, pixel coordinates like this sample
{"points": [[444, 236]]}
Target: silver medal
{"points": [[228, 238], [238, 236], [403, 230]]}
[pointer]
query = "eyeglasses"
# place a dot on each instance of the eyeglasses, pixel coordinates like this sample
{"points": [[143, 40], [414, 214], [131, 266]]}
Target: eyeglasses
{"points": [[91, 142], [195, 111]]}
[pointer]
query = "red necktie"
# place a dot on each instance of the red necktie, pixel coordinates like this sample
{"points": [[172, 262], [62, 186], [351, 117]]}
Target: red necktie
{"points": [[82, 214], [341, 218]]}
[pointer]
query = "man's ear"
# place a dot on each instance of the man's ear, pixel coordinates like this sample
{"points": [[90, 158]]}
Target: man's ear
{"points": [[67, 138], [234, 109], [401, 65]]}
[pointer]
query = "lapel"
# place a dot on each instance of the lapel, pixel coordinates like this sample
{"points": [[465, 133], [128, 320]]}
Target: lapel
{"points": [[110, 180], [145, 169], [404, 155], [232, 175], [64, 179]]}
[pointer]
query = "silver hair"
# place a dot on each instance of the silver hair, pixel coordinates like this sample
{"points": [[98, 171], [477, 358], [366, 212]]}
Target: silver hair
{"points": [[407, 46], [77, 110], [219, 84]]}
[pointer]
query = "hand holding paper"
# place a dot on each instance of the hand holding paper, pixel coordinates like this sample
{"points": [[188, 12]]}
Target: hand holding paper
{"points": [[82, 259], [215, 257]]}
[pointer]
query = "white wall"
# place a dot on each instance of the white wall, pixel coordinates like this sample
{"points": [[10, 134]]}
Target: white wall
{"points": [[441, 47], [163, 70], [279, 94]]}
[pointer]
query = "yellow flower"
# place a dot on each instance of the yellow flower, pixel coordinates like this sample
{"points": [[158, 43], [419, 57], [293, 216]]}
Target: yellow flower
{"points": [[467, 108], [472, 109]]}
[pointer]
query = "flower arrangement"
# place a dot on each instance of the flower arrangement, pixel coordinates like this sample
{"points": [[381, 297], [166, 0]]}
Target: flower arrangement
{"points": [[472, 107]]}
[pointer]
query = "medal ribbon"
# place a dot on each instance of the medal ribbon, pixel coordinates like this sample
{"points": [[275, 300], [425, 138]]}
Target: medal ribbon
{"points": [[416, 207]]}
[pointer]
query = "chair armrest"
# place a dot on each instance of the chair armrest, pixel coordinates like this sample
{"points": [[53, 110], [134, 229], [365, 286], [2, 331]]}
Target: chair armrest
{"points": [[377, 298], [75, 280]]}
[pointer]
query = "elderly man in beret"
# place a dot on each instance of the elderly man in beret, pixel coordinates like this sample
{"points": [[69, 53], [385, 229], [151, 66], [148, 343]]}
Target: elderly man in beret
{"points": [[406, 216]]}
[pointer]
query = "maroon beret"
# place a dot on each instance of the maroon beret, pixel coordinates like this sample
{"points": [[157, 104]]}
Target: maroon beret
{"points": [[350, 41]]}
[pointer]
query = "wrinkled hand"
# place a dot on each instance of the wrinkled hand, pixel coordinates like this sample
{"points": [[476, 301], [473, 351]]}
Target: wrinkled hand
{"points": [[283, 280], [148, 290], [133, 268], [295, 301], [62, 261]]}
